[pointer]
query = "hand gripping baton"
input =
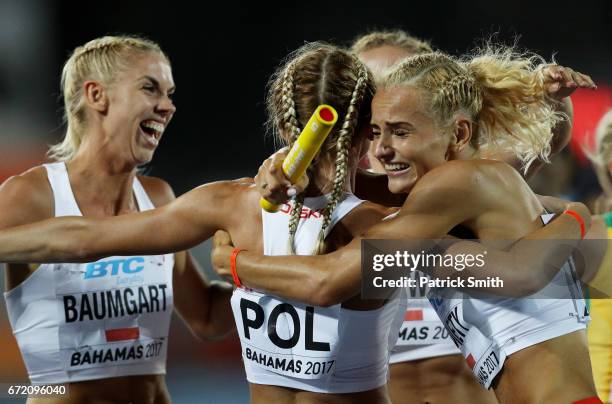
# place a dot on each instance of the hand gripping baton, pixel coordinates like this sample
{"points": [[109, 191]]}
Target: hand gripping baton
{"points": [[305, 147]]}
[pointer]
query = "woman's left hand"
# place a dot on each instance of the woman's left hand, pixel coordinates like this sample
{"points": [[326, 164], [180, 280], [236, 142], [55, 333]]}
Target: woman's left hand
{"points": [[561, 81], [221, 252]]}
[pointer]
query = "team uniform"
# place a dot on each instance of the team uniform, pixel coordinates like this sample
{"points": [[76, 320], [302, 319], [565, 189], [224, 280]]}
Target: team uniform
{"points": [[318, 349], [600, 329], [489, 329], [422, 334], [103, 319]]}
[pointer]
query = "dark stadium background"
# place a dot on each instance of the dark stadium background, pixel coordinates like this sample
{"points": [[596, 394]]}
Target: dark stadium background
{"points": [[222, 55]]}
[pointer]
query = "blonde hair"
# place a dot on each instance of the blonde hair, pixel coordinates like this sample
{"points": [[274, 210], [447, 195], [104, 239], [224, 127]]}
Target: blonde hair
{"points": [[601, 156], [315, 74], [396, 38], [501, 91], [100, 59]]}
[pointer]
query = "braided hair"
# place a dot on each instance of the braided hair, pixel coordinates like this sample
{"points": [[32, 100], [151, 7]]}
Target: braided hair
{"points": [[315, 74], [501, 91], [396, 38]]}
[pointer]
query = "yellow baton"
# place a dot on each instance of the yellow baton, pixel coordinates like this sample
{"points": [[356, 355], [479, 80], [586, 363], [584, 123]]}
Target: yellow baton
{"points": [[305, 147]]}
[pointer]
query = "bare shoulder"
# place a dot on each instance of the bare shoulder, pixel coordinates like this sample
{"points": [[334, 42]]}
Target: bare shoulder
{"points": [[26, 198], [467, 175], [364, 216], [462, 186], [158, 190], [450, 178]]}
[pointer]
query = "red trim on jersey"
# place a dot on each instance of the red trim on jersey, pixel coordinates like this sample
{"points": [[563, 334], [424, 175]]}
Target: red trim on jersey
{"points": [[413, 315], [122, 334], [471, 361]]}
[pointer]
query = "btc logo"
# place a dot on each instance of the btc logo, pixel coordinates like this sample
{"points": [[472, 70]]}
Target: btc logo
{"points": [[113, 267]]}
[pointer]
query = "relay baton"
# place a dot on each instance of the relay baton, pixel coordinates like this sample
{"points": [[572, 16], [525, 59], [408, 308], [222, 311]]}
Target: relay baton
{"points": [[305, 147]]}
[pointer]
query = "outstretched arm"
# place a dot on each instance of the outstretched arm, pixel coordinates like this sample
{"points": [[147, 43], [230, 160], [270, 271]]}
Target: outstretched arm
{"points": [[333, 278], [203, 305], [530, 264], [328, 279], [177, 226]]}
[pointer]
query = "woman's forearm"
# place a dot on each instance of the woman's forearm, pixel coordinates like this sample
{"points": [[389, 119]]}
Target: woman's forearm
{"points": [[529, 265], [291, 277], [175, 227], [321, 280], [53, 240], [220, 319], [205, 307]]}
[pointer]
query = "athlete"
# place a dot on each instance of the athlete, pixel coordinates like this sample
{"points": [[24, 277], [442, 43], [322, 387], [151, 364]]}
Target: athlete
{"points": [[101, 327], [380, 51], [429, 118], [318, 364], [422, 335], [426, 366], [196, 215]]}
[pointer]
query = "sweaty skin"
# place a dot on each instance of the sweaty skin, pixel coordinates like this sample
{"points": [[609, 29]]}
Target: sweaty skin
{"points": [[183, 223], [495, 203], [495, 210], [194, 217], [101, 177], [444, 376], [174, 227]]}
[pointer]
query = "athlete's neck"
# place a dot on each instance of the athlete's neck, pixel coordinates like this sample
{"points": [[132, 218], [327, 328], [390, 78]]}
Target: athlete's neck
{"points": [[101, 184], [322, 179]]}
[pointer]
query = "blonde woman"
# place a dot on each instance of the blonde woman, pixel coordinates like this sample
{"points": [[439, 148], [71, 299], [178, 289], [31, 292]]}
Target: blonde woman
{"points": [[425, 364], [433, 352], [380, 51], [430, 116], [283, 366], [357, 352], [102, 327]]}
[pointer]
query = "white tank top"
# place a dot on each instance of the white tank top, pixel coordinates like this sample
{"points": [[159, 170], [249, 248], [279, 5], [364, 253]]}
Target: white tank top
{"points": [[318, 349], [97, 320], [488, 329]]}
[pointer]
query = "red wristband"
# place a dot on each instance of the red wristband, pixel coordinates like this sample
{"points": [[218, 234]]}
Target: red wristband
{"points": [[233, 257], [576, 216]]}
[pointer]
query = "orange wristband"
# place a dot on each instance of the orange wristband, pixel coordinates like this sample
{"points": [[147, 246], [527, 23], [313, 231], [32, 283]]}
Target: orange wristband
{"points": [[233, 257], [576, 216]]}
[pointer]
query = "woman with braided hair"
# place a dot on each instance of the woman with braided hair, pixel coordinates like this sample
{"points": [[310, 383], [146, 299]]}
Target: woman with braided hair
{"points": [[292, 351], [102, 327], [380, 51], [431, 114], [425, 364]]}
